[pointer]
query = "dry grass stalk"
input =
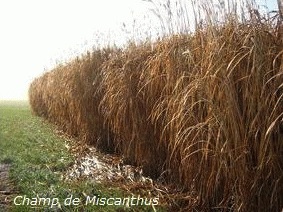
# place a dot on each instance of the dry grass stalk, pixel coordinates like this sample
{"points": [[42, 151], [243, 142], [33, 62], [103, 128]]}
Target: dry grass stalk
{"points": [[204, 109]]}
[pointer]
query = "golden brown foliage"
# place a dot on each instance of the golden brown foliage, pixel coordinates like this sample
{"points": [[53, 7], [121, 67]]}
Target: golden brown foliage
{"points": [[205, 111]]}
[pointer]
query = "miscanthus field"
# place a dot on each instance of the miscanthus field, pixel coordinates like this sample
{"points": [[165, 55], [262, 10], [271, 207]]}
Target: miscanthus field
{"points": [[201, 109]]}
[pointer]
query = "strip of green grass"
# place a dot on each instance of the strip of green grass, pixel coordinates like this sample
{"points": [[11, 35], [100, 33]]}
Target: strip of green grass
{"points": [[38, 157]]}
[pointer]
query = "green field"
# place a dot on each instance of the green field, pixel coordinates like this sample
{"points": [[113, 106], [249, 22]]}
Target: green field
{"points": [[38, 157]]}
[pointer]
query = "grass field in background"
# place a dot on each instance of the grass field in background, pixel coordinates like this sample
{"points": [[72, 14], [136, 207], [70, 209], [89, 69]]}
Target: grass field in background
{"points": [[38, 157]]}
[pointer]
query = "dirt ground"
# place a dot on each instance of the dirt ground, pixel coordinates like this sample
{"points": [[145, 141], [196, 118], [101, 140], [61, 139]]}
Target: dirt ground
{"points": [[6, 187]]}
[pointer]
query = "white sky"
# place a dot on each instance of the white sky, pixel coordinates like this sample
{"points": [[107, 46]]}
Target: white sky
{"points": [[34, 34]]}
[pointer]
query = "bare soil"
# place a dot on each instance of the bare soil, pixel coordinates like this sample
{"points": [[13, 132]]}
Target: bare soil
{"points": [[7, 189]]}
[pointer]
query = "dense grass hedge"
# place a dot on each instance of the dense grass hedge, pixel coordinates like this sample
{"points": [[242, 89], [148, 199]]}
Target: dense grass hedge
{"points": [[204, 110]]}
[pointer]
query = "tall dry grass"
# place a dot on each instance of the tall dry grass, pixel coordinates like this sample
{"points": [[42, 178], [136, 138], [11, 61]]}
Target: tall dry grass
{"points": [[202, 110], [67, 97]]}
